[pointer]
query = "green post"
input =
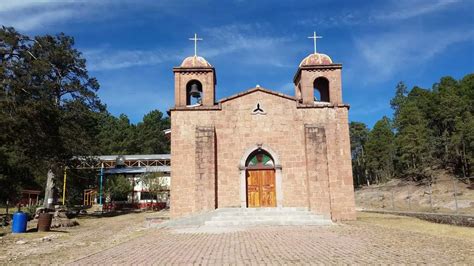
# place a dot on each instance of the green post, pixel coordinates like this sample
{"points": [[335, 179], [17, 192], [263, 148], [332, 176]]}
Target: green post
{"points": [[100, 186]]}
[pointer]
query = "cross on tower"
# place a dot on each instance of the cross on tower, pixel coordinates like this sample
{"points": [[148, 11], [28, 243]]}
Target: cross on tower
{"points": [[314, 37], [195, 39]]}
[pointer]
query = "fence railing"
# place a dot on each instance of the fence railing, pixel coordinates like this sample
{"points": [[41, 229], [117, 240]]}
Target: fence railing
{"points": [[439, 196]]}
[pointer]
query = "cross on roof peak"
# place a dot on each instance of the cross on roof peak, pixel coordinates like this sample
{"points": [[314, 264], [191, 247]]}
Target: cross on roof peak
{"points": [[195, 39], [315, 37]]}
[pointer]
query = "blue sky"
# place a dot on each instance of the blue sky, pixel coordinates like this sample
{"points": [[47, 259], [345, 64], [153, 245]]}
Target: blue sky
{"points": [[131, 46]]}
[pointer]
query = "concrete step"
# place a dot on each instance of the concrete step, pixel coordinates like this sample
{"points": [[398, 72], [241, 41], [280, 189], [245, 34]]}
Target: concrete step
{"points": [[277, 214], [272, 222], [291, 209], [268, 218], [265, 216], [245, 217]]}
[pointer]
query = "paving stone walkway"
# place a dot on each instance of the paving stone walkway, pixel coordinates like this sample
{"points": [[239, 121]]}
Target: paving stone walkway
{"points": [[338, 244]]}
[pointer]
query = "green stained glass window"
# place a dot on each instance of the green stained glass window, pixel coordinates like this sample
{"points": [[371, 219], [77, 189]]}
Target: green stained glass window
{"points": [[260, 159]]}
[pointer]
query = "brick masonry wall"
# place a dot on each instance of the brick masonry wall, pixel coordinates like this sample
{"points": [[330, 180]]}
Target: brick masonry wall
{"points": [[342, 189], [205, 166], [182, 166], [317, 170], [282, 129]]}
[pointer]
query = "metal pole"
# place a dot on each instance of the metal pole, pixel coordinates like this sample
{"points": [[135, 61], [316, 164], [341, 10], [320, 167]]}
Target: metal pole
{"points": [[101, 180], [455, 196], [431, 197], [393, 204], [382, 200], [64, 186], [409, 199]]}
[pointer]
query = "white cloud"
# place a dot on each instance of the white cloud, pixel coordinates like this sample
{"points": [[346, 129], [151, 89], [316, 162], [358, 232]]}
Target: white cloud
{"points": [[41, 19], [104, 59], [22, 4], [410, 9], [31, 15], [251, 42], [394, 11], [383, 55], [343, 18], [242, 41]]}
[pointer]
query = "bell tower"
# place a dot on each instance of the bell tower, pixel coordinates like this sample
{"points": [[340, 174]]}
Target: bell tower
{"points": [[194, 81], [318, 79]]}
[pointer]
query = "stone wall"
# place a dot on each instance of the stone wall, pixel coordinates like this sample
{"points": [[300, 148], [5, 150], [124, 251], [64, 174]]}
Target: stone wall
{"points": [[342, 187], [282, 128], [317, 170], [205, 165]]}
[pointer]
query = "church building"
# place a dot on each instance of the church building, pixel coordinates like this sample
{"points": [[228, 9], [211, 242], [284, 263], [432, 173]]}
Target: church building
{"points": [[261, 148]]}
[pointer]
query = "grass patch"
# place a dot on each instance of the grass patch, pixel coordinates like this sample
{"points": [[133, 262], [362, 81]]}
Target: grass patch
{"points": [[3, 210], [416, 225]]}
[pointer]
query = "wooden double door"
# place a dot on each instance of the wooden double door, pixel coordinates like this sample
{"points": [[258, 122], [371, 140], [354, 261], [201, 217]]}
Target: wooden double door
{"points": [[261, 188]]}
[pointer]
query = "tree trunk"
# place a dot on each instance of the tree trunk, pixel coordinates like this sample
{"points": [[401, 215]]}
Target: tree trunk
{"points": [[49, 191], [358, 171], [463, 159]]}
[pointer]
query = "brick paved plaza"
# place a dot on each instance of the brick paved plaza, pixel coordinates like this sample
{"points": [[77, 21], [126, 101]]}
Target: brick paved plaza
{"points": [[349, 243]]}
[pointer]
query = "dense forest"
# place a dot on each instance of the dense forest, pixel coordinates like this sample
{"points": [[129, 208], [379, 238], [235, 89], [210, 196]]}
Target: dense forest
{"points": [[430, 129], [50, 112]]}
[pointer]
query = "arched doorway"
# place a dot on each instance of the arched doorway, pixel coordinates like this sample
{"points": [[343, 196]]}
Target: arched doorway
{"points": [[260, 180]]}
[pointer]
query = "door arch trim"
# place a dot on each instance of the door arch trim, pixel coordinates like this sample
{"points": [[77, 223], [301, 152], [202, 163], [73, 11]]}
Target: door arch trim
{"points": [[243, 178]]}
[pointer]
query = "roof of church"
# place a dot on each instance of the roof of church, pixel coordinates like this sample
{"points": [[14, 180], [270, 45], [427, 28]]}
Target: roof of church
{"points": [[195, 61], [252, 90], [316, 59]]}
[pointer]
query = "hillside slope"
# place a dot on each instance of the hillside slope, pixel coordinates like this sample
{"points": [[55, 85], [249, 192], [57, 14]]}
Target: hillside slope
{"points": [[404, 195]]}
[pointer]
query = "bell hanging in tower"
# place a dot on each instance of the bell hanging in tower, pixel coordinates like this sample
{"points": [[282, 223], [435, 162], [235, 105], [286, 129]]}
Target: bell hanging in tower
{"points": [[195, 92]]}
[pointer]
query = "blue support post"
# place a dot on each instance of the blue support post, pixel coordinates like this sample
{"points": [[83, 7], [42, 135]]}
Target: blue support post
{"points": [[101, 181]]}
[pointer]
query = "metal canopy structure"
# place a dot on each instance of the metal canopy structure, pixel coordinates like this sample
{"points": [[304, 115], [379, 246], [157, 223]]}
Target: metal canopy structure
{"points": [[122, 164], [142, 162], [138, 170]]}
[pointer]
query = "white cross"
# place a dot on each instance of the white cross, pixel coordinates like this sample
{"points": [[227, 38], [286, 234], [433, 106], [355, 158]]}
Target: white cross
{"points": [[195, 39], [314, 37]]}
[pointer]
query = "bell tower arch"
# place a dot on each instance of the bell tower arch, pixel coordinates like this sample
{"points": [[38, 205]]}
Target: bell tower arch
{"points": [[318, 79], [194, 83]]}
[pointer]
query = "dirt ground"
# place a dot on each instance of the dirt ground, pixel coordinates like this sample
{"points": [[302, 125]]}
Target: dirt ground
{"points": [[98, 234], [65, 244], [404, 195]]}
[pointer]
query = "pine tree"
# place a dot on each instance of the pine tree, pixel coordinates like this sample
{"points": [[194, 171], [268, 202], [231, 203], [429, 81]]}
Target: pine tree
{"points": [[380, 150], [48, 106], [399, 99], [150, 133], [412, 139], [358, 136]]}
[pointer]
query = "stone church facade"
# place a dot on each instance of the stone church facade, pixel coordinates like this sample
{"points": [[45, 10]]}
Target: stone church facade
{"points": [[261, 148]]}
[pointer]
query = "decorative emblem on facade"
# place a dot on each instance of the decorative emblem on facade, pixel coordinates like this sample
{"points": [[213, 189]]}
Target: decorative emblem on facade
{"points": [[258, 110]]}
